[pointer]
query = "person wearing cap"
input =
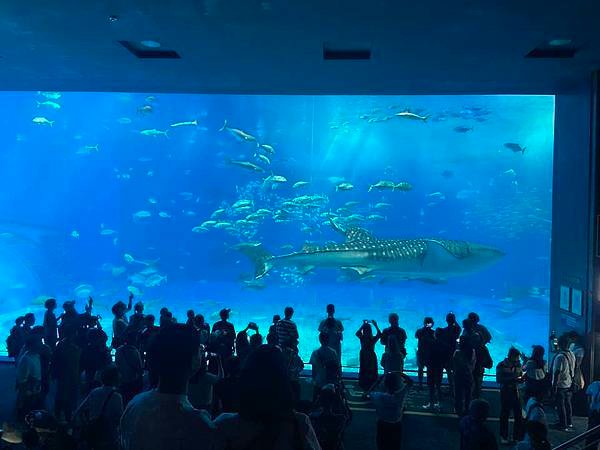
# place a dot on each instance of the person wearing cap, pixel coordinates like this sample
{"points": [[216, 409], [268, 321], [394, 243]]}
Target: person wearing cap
{"points": [[334, 330], [223, 333]]}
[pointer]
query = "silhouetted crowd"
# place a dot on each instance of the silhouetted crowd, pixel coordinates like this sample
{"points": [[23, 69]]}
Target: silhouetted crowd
{"points": [[193, 386]]}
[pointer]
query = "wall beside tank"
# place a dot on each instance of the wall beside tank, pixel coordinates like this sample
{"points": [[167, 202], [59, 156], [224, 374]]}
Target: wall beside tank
{"points": [[572, 228]]}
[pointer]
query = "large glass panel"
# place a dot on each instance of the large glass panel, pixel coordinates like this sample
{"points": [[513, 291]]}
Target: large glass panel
{"points": [[102, 193]]}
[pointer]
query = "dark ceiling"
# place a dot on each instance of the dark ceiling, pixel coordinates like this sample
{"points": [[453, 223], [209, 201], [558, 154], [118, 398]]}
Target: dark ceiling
{"points": [[276, 46]]}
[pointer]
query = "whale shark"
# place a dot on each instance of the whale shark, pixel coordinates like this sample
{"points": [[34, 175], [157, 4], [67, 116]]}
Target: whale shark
{"points": [[429, 260]]}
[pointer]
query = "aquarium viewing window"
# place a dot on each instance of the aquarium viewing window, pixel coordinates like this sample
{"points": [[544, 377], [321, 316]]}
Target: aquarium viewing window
{"points": [[418, 205]]}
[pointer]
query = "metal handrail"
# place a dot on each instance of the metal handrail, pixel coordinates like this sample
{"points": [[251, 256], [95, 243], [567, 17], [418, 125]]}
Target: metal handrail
{"points": [[578, 439]]}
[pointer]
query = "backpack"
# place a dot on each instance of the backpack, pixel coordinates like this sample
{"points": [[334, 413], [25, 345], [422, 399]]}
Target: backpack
{"points": [[95, 431]]}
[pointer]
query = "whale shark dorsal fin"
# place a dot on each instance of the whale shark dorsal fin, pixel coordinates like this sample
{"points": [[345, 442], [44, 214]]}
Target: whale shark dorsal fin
{"points": [[359, 235]]}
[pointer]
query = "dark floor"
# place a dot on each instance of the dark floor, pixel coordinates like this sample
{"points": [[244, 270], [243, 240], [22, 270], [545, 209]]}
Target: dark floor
{"points": [[422, 429]]}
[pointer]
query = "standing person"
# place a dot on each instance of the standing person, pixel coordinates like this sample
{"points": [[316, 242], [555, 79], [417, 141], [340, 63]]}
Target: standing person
{"points": [[223, 335], [389, 408], [16, 338], [509, 374], [190, 318], [100, 412], [227, 390], [267, 419], [593, 393], [272, 337], [163, 418], [536, 369], [486, 336], [95, 356], [398, 333], [203, 329], [328, 423], [392, 359], [136, 320], [200, 388], [447, 338], [463, 364], [242, 343], [29, 376], [50, 324], [120, 322], [65, 369], [367, 374], [424, 337], [295, 366], [287, 331], [563, 368], [474, 433], [433, 363], [28, 323], [482, 355], [129, 364], [325, 365], [334, 330]]}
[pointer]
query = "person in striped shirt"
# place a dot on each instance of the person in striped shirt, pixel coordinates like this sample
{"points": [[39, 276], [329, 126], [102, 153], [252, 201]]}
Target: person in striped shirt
{"points": [[287, 331]]}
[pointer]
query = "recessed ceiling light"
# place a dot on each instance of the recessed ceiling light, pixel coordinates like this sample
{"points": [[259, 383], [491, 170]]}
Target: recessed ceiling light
{"points": [[559, 42], [150, 44]]}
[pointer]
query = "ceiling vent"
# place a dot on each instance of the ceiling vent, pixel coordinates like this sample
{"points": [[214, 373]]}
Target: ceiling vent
{"points": [[344, 53], [141, 51]]}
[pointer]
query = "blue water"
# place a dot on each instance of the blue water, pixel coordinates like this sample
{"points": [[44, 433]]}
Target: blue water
{"points": [[74, 195]]}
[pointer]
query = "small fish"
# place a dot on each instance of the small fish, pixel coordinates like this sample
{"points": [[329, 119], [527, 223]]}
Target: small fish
{"points": [[124, 120], [351, 204], [42, 121], [263, 158], [150, 173], [154, 132], [200, 229], [223, 225], [145, 110], [382, 205], [164, 215], [374, 217], [152, 200], [107, 232], [217, 213], [463, 129], [186, 195], [88, 149], [48, 104], [344, 187], [246, 165], [268, 148], [150, 99], [75, 234], [239, 134], [510, 173], [208, 223], [412, 116], [128, 258], [436, 196], [403, 186], [243, 203], [189, 213], [192, 123], [51, 95], [276, 179], [142, 214], [515, 147], [300, 184]]}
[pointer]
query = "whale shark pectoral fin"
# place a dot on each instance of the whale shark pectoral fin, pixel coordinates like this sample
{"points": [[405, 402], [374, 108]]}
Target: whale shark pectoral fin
{"points": [[436, 254], [306, 269], [361, 270]]}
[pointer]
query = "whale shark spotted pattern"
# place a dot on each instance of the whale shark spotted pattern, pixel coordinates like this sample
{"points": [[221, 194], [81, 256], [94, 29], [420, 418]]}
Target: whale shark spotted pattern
{"points": [[424, 259]]}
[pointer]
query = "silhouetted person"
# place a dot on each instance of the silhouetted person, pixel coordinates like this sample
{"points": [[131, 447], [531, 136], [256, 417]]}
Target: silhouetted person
{"points": [[287, 331], [95, 356], [536, 438], [29, 376], [463, 363], [367, 373], [563, 368], [482, 356], [398, 333], [101, 410], [474, 433], [65, 369], [447, 338], [534, 409], [432, 357], [424, 337], [392, 359], [28, 323], [120, 322], [16, 338], [203, 329], [129, 364], [329, 423], [227, 390], [482, 330], [136, 320], [50, 324], [272, 337], [535, 369], [295, 366], [223, 335], [69, 320], [509, 374], [266, 419], [325, 365], [149, 330], [163, 418], [334, 330], [389, 408], [190, 318], [202, 382], [242, 342]]}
